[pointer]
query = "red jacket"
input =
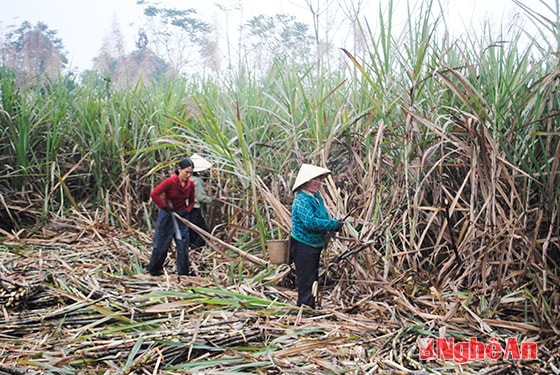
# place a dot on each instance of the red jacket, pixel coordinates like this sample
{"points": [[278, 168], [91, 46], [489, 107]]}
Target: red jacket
{"points": [[170, 190]]}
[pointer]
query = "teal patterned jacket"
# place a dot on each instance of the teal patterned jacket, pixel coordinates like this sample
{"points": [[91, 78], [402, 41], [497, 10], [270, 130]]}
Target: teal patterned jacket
{"points": [[310, 219]]}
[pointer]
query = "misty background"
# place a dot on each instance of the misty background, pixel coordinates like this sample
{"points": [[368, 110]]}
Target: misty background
{"points": [[128, 39]]}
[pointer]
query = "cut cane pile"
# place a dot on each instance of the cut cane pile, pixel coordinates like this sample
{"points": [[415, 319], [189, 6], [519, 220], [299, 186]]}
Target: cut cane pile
{"points": [[75, 300]]}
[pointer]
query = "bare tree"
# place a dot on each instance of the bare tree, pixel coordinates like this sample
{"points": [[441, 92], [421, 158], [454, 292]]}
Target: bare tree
{"points": [[177, 34], [111, 60], [122, 69], [34, 51], [227, 11], [320, 11], [351, 10]]}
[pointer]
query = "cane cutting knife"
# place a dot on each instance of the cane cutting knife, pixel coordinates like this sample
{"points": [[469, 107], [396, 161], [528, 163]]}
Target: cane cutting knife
{"points": [[175, 224]]}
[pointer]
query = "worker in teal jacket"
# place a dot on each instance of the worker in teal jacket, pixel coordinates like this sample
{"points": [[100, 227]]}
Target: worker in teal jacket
{"points": [[311, 223]]}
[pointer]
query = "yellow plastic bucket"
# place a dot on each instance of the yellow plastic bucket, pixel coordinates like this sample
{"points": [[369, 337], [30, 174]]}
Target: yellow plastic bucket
{"points": [[278, 251]]}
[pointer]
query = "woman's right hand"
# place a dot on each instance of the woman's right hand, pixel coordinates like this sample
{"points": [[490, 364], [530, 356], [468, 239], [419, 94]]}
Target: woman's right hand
{"points": [[339, 225]]}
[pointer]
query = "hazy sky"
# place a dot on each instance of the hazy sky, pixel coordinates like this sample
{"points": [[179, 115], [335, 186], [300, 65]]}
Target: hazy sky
{"points": [[82, 24]]}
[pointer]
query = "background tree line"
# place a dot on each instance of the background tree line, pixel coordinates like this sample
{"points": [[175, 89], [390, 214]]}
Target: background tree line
{"points": [[179, 41]]}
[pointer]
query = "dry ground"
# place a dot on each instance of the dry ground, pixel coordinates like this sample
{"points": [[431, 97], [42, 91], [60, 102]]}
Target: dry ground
{"points": [[74, 300]]}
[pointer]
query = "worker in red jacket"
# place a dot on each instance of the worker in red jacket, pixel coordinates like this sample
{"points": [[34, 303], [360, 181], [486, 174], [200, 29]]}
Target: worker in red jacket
{"points": [[174, 195]]}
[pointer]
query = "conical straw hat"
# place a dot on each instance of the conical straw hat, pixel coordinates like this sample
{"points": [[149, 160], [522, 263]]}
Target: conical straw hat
{"points": [[200, 164], [308, 172]]}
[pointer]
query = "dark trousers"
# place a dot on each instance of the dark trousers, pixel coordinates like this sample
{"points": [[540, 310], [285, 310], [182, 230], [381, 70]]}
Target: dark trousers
{"points": [[306, 259], [196, 218], [165, 232]]}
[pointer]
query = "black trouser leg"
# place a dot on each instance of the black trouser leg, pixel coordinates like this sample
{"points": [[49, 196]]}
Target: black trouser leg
{"points": [[162, 240], [198, 220], [306, 258]]}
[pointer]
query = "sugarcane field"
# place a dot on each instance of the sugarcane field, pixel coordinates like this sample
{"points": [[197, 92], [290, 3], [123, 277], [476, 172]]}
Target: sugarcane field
{"points": [[386, 204]]}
